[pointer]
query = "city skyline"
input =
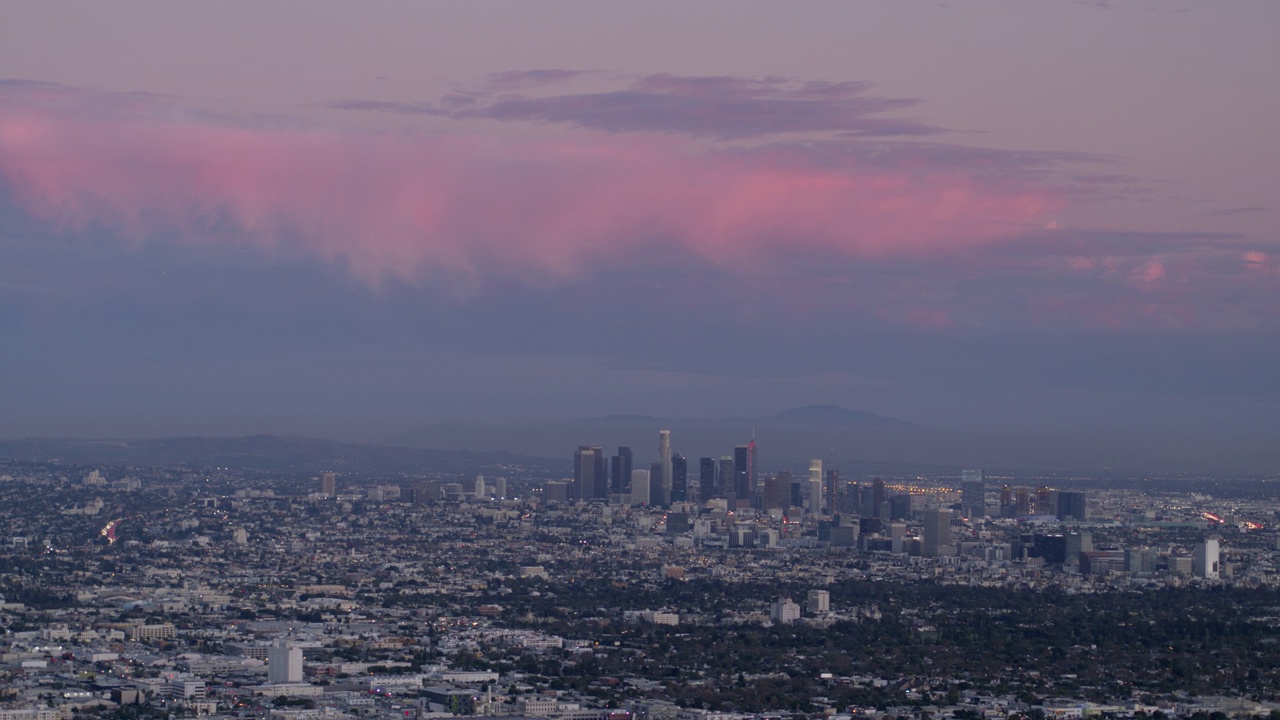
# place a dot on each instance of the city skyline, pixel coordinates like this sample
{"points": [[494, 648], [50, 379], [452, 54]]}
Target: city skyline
{"points": [[355, 222]]}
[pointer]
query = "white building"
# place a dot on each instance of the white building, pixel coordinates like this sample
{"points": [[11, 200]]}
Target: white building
{"points": [[1204, 563], [640, 487], [815, 487], [784, 611], [284, 663]]}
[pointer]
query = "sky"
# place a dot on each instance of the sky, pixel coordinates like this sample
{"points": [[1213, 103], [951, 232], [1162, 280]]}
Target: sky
{"points": [[350, 220]]}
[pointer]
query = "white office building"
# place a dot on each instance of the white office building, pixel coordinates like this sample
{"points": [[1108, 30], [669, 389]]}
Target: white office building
{"points": [[284, 663]]}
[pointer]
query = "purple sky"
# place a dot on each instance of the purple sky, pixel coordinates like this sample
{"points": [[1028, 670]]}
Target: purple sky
{"points": [[352, 219]]}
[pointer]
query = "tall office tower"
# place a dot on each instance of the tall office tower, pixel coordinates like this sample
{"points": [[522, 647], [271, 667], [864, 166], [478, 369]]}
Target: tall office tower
{"points": [[679, 478], [1072, 506], [1075, 543], [480, 489], [937, 531], [584, 472], [1006, 501], [1046, 501], [708, 487], [900, 506], [815, 487], [656, 498], [639, 487], [726, 478], [833, 491], [601, 491], [777, 491], [877, 497], [500, 488], [1022, 501], [799, 492], [1205, 560], [973, 494], [744, 473], [621, 475], [662, 481], [328, 484], [284, 662]]}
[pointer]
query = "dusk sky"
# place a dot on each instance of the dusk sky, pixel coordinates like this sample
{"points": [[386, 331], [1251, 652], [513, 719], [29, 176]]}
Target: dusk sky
{"points": [[350, 219]]}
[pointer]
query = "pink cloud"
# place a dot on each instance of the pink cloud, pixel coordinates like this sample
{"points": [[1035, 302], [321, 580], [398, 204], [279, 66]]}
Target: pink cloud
{"points": [[467, 206]]}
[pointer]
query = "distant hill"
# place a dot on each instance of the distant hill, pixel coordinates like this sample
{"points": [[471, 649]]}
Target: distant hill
{"points": [[267, 453], [833, 415]]}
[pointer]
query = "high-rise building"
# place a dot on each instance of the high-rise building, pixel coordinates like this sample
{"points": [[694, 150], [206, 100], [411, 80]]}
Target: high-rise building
{"points": [[818, 602], [1022, 501], [621, 476], [587, 461], [973, 494], [708, 485], [284, 663], [777, 491], [832, 489], [937, 531], [1072, 506], [328, 484], [1076, 543], [1007, 509], [878, 498], [640, 487], [500, 488], [679, 478], [1046, 501], [1205, 560], [727, 477], [900, 506], [601, 490], [481, 491], [816, 495], [744, 473], [660, 481]]}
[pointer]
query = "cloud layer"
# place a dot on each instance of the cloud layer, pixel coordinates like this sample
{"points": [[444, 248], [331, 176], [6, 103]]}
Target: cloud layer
{"points": [[415, 206]]}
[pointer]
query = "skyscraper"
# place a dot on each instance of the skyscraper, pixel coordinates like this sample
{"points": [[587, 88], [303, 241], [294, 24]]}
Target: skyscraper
{"points": [[726, 478], [777, 491], [1205, 560], [655, 487], [708, 485], [621, 475], [328, 484], [1072, 506], [815, 487], [663, 483], [679, 478], [639, 487], [878, 498], [480, 491], [601, 489], [1022, 501], [744, 473], [973, 494], [937, 531], [584, 472]]}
